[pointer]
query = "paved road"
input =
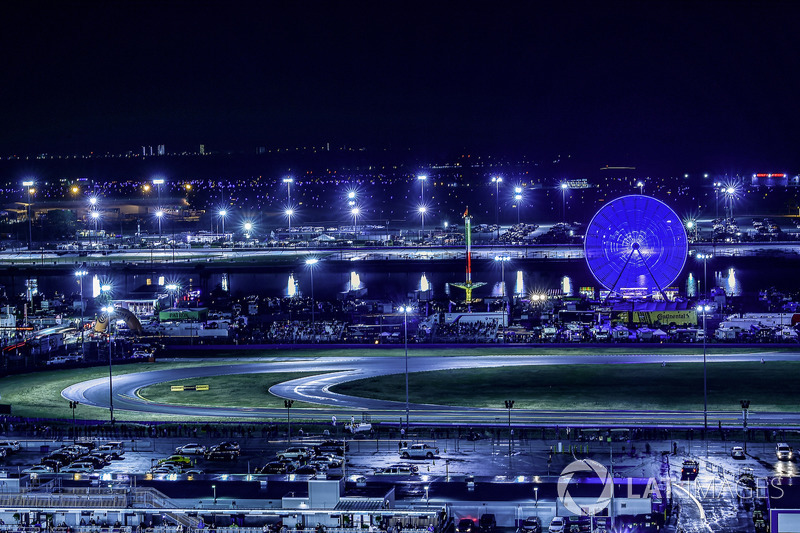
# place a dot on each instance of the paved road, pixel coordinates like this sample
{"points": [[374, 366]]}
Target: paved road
{"points": [[316, 389]]}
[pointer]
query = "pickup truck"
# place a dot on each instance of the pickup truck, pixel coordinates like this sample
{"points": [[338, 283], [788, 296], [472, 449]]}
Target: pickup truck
{"points": [[419, 451]]}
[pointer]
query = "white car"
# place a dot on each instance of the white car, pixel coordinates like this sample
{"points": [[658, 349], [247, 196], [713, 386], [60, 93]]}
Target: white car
{"points": [[327, 460], [784, 452], [78, 468], [298, 453], [419, 451], [38, 469], [115, 449], [10, 445], [167, 468], [191, 449], [737, 452], [557, 525], [397, 470]]}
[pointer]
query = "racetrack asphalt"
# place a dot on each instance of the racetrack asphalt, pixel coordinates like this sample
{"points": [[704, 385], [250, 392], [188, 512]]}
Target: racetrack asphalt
{"points": [[335, 370]]}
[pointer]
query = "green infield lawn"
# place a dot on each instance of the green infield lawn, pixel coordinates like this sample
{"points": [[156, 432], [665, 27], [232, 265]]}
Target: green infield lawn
{"points": [[39, 394], [677, 386], [244, 390], [770, 387]]}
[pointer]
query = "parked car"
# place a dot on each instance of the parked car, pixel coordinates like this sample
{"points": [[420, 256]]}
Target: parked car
{"points": [[77, 449], [419, 451], [97, 462], [217, 454], [297, 453], [191, 449], [532, 524], [397, 470], [327, 460], [116, 452], [177, 459], [229, 446], [488, 523], [164, 470], [276, 467], [78, 467], [172, 468], [306, 469], [55, 464], [737, 452], [466, 525], [38, 469], [10, 445], [62, 458], [332, 446], [557, 525]]}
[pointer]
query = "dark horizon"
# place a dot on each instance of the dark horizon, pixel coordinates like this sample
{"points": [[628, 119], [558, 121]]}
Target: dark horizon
{"points": [[707, 85]]}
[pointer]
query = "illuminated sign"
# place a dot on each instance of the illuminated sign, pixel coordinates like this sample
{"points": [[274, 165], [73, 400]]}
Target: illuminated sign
{"points": [[770, 175]]}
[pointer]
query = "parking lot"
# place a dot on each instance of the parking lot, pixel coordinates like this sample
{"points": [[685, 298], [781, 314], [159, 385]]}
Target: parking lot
{"points": [[453, 457]]}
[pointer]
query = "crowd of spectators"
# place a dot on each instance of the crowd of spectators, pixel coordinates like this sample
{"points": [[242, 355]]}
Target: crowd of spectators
{"points": [[479, 331], [296, 331]]}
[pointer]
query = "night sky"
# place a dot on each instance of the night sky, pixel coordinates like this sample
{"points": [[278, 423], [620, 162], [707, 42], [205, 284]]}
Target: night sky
{"points": [[686, 84]]}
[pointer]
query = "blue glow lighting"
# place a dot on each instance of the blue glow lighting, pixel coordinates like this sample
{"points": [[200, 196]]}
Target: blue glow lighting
{"points": [[636, 242]]}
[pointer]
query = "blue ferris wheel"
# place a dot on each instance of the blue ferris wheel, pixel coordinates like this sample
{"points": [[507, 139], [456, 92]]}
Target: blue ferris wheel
{"points": [[636, 242]]}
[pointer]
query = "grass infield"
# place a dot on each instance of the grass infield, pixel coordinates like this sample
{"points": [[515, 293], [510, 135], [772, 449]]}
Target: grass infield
{"points": [[770, 387], [677, 386], [244, 390]]}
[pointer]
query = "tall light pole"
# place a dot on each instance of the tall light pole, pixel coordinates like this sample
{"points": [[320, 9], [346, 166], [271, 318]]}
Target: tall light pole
{"points": [[158, 182], [497, 180], [311, 263], [109, 310], [509, 405], [289, 212], [74, 405], [248, 229], [730, 192], [355, 211], [564, 188], [95, 215], [518, 200], [29, 187], [288, 405], [405, 309], [704, 309], [503, 259], [222, 214], [422, 210], [288, 182], [159, 216], [745, 406], [640, 184], [80, 274], [172, 288], [705, 258], [422, 179]]}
